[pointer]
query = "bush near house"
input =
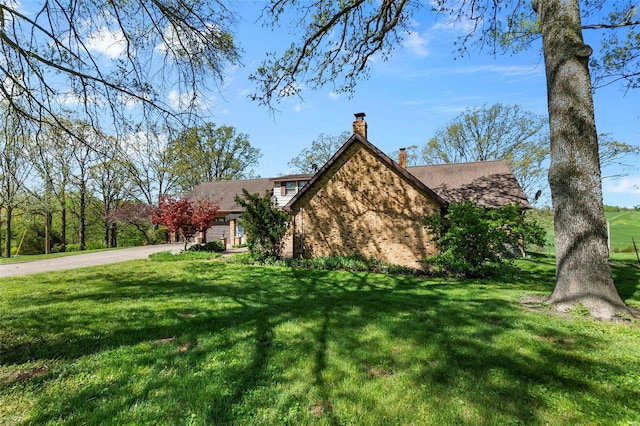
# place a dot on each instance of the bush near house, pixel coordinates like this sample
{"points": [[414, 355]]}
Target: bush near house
{"points": [[477, 241], [211, 246], [265, 226]]}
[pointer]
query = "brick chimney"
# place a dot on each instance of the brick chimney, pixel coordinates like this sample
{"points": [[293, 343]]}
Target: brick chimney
{"points": [[359, 125], [402, 158]]}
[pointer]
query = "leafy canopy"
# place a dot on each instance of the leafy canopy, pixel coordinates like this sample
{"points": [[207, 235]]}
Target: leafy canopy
{"points": [[100, 58], [207, 153], [185, 216], [498, 132], [322, 148]]}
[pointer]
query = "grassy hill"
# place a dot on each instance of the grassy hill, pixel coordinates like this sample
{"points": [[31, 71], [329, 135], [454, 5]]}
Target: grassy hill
{"points": [[623, 225]]}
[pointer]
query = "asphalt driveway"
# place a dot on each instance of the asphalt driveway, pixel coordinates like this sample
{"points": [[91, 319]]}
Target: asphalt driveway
{"points": [[83, 260]]}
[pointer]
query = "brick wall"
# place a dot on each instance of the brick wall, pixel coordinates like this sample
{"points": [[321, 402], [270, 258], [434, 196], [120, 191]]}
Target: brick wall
{"points": [[362, 206]]}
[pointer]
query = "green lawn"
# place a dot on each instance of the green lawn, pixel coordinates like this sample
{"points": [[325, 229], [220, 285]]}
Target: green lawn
{"points": [[201, 342]]}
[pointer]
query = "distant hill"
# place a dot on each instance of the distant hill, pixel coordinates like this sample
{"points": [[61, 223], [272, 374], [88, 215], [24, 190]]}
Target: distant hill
{"points": [[623, 225]]}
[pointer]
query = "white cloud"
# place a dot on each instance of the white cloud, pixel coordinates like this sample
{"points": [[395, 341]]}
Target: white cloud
{"points": [[185, 100], [416, 44], [506, 70], [626, 185], [334, 95], [107, 42]]}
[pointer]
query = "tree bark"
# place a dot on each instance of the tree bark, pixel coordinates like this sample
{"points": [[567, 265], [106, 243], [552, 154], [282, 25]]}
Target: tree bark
{"points": [[7, 225], [583, 273]]}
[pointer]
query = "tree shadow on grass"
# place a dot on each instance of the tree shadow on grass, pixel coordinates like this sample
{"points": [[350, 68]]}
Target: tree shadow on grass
{"points": [[217, 346], [626, 276]]}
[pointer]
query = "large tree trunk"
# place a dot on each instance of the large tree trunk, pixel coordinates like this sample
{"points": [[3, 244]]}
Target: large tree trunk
{"points": [[583, 273]]}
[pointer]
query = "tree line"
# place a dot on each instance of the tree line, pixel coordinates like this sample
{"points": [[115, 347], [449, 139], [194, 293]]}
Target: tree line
{"points": [[91, 187]]}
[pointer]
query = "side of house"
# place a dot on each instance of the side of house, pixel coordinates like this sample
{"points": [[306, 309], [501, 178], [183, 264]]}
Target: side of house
{"points": [[363, 203]]}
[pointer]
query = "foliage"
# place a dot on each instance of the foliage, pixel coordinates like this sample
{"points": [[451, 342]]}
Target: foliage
{"points": [[265, 225], [211, 247], [352, 263], [137, 215], [33, 241], [618, 153], [322, 148], [476, 241], [139, 343], [498, 132], [208, 153], [185, 216], [105, 57]]}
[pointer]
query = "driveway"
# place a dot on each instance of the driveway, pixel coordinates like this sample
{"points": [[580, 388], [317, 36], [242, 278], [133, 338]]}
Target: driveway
{"points": [[84, 260]]}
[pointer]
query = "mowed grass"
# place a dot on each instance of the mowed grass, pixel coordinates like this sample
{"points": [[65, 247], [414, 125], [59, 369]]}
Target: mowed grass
{"points": [[623, 226], [204, 342]]}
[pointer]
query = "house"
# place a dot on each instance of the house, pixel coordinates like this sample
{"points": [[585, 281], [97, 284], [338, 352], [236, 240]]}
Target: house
{"points": [[363, 202], [226, 226]]}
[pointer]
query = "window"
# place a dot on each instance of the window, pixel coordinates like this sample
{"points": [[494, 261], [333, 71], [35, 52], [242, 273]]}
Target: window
{"points": [[290, 188], [302, 183]]}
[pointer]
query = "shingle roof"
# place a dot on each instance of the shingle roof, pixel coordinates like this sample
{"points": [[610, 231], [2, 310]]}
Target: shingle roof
{"points": [[486, 183], [226, 191], [356, 138]]}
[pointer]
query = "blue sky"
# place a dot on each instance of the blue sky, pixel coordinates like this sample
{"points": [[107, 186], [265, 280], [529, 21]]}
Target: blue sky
{"points": [[408, 98]]}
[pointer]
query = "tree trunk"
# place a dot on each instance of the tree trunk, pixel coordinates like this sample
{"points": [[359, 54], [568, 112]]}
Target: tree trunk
{"points": [[583, 273], [7, 225], [83, 216], [48, 220], [63, 227], [114, 235]]}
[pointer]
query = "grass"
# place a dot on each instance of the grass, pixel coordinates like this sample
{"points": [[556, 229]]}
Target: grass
{"points": [[623, 225], [202, 342]]}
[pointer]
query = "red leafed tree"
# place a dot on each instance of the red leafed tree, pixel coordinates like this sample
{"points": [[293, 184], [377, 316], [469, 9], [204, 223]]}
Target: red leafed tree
{"points": [[185, 216], [204, 213]]}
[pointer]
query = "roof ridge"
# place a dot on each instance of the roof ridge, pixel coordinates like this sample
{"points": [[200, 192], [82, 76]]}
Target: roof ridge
{"points": [[458, 164]]}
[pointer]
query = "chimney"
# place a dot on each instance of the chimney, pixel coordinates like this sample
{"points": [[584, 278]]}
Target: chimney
{"points": [[360, 126], [402, 158]]}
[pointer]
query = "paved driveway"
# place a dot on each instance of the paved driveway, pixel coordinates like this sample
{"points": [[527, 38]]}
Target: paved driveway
{"points": [[84, 260]]}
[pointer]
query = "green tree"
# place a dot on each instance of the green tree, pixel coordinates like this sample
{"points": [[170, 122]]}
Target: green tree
{"points": [[106, 56], [15, 170], [475, 241], [498, 132], [265, 225], [338, 41], [208, 153], [616, 153], [322, 148]]}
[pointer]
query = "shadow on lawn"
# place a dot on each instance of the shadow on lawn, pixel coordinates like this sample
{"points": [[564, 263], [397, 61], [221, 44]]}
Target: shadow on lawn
{"points": [[469, 344]]}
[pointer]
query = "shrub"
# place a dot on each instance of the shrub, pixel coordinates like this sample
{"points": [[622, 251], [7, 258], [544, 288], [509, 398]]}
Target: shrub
{"points": [[354, 263], [211, 247], [264, 224], [478, 242]]}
